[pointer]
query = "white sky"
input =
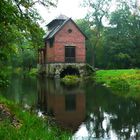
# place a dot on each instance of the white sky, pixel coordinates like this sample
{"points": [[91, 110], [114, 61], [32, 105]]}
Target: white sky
{"points": [[70, 8]]}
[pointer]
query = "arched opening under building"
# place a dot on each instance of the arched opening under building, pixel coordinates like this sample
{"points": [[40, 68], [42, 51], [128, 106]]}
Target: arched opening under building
{"points": [[69, 71]]}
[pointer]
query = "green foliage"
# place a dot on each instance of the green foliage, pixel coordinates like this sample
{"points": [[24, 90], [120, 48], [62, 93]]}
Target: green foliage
{"points": [[32, 127], [120, 81], [33, 72], [5, 73], [20, 33], [120, 38], [94, 18], [70, 80], [119, 84], [28, 59], [85, 27], [115, 45], [3, 80]]}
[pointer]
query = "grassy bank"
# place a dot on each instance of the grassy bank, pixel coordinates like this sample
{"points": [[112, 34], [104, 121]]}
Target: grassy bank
{"points": [[122, 82], [16, 124]]}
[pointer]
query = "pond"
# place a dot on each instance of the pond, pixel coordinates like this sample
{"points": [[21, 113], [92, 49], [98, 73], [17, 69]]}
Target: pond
{"points": [[89, 111]]}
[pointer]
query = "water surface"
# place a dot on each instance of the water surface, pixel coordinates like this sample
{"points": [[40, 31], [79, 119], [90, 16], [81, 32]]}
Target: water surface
{"points": [[89, 111]]}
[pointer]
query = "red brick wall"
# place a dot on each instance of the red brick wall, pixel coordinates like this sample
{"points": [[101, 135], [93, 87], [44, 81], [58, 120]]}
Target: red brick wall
{"points": [[50, 53], [64, 38]]}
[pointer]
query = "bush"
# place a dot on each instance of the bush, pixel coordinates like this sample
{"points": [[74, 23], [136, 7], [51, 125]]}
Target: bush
{"points": [[70, 80], [119, 84], [4, 78], [33, 72], [89, 69]]}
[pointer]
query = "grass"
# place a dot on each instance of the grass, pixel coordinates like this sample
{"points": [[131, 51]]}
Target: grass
{"points": [[32, 127], [125, 82]]}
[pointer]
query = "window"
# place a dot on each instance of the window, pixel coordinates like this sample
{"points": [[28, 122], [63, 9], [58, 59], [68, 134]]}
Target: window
{"points": [[69, 54], [70, 102], [51, 41], [69, 30]]}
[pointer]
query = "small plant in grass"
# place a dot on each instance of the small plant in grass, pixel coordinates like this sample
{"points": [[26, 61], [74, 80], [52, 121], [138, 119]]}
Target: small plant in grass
{"points": [[119, 84], [70, 80], [33, 72]]}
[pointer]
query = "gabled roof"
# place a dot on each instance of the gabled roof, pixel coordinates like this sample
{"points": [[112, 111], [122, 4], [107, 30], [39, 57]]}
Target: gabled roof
{"points": [[59, 26], [61, 18]]}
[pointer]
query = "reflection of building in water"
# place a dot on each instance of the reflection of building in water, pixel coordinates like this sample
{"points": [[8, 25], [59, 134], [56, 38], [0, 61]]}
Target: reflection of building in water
{"points": [[67, 106]]}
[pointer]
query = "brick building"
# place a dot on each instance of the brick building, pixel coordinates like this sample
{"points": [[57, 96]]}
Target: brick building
{"points": [[64, 48]]}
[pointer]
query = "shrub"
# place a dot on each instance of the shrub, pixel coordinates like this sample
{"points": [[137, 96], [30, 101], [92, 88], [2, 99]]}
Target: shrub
{"points": [[89, 69], [70, 80], [4, 80], [33, 72], [119, 84]]}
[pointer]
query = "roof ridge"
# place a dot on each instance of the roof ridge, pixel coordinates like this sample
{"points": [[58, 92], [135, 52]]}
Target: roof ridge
{"points": [[49, 35], [61, 16], [58, 28]]}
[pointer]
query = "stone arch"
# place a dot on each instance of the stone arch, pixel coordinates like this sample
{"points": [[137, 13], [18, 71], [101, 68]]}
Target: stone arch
{"points": [[69, 70]]}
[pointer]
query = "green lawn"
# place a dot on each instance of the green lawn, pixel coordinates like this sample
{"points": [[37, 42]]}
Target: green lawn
{"points": [[121, 81], [30, 127]]}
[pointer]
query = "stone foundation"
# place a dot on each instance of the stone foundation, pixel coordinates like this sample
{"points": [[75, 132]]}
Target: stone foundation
{"points": [[55, 69]]}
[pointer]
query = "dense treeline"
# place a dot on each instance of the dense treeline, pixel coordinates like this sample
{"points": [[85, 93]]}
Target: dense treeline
{"points": [[113, 35], [20, 34]]}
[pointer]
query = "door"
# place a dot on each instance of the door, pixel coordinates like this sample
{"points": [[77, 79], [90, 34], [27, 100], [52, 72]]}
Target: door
{"points": [[69, 54]]}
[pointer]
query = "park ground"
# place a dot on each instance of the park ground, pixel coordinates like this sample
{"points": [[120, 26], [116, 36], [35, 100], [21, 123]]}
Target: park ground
{"points": [[125, 82]]}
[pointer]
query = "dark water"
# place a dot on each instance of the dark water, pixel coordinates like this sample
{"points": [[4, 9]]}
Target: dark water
{"points": [[89, 111]]}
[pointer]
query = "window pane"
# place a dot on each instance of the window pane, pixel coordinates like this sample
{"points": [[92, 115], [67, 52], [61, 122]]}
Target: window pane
{"points": [[70, 51], [70, 54]]}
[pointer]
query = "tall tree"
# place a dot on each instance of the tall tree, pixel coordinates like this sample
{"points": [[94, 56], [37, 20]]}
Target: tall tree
{"points": [[116, 44], [122, 37], [85, 27], [98, 11], [19, 22]]}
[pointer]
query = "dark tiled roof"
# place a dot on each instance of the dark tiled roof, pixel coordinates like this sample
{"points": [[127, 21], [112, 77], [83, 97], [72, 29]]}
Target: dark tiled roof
{"points": [[54, 30], [60, 22]]}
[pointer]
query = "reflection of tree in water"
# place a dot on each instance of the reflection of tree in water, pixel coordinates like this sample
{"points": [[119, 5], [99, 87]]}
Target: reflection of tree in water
{"points": [[94, 124], [123, 114], [128, 117]]}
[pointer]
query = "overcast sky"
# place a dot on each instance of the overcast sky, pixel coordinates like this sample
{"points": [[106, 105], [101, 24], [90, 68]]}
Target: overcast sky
{"points": [[70, 8]]}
